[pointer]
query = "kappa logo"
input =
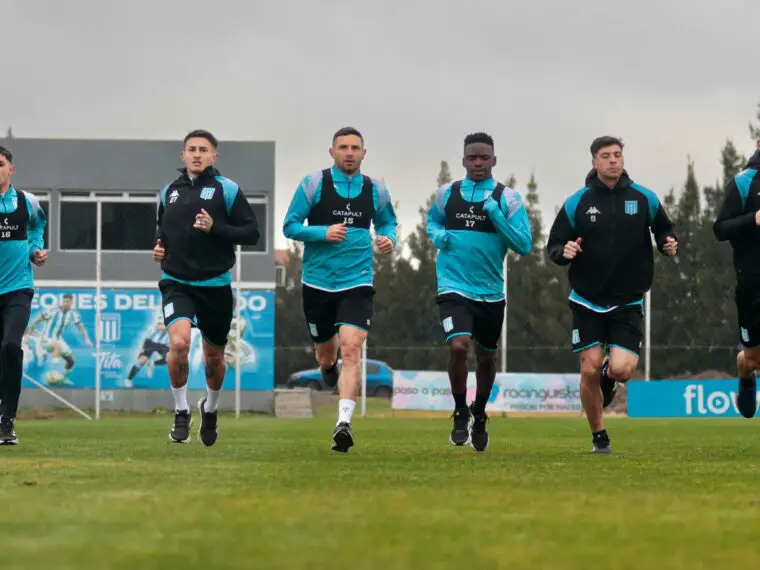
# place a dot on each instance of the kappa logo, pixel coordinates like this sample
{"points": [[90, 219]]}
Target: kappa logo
{"points": [[592, 211], [173, 196]]}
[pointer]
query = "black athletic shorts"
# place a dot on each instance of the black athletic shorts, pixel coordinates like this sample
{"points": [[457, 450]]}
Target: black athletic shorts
{"points": [[149, 347], [208, 308], [748, 310], [481, 320], [327, 311], [621, 327]]}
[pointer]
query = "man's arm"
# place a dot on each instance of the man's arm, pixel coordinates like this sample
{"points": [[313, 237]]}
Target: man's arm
{"points": [[436, 219], [241, 226], [385, 218], [562, 231], [307, 194], [510, 219], [37, 223], [662, 228], [732, 221], [82, 330]]}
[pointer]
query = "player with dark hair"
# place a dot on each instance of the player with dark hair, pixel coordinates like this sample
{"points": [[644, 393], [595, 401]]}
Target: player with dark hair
{"points": [[473, 223], [603, 233], [331, 213], [739, 223], [201, 217], [22, 226]]}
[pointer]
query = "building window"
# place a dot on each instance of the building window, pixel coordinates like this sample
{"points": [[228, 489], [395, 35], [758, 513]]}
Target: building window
{"points": [[128, 226], [128, 221], [44, 199], [76, 226], [259, 206]]}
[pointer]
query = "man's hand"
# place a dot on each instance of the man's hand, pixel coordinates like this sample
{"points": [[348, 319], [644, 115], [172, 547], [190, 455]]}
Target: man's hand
{"points": [[203, 221], [336, 232], [159, 252], [385, 244], [671, 246], [757, 218], [572, 249], [39, 258]]}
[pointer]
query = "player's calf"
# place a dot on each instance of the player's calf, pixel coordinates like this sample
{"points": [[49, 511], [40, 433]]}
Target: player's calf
{"points": [[747, 362]]}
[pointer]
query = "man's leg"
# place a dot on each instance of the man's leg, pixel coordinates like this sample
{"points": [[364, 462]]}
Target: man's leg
{"points": [[747, 362], [15, 319], [320, 309], [208, 406], [349, 384], [327, 359], [456, 322], [591, 394], [179, 348]]}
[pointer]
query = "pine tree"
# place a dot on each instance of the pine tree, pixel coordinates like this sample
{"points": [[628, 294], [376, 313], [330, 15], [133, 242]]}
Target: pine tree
{"points": [[754, 130]]}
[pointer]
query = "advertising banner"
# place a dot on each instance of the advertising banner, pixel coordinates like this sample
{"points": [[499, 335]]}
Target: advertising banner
{"points": [[512, 392], [683, 399], [59, 344]]}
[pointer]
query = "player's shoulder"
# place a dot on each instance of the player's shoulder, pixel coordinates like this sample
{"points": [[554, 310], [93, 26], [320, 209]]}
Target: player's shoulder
{"points": [[511, 197], [227, 183], [444, 189], [650, 195], [312, 180]]}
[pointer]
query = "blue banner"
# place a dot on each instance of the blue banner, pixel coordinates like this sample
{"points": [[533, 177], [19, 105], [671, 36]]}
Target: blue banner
{"points": [[683, 399], [59, 344]]}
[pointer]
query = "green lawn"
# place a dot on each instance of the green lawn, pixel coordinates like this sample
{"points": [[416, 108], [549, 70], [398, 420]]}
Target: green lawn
{"points": [[115, 494]]}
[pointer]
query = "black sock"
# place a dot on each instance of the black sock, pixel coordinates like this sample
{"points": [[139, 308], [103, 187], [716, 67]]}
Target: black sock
{"points": [[460, 400], [600, 434], [479, 407]]}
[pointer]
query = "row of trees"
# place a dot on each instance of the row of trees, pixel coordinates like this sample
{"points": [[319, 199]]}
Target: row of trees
{"points": [[693, 314]]}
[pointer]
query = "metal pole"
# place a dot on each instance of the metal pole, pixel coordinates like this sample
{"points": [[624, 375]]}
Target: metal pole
{"points": [[648, 335], [364, 378], [98, 275], [238, 339], [504, 322]]}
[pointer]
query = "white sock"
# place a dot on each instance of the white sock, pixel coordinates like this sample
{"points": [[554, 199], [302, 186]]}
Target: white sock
{"points": [[180, 398], [212, 400], [345, 410]]}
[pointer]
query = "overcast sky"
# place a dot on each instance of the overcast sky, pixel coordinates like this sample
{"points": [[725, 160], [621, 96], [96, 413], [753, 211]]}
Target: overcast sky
{"points": [[544, 77]]}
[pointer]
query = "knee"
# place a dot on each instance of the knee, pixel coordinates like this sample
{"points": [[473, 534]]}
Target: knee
{"points": [[350, 352], [751, 359], [459, 347], [590, 369], [180, 345], [485, 358], [621, 371]]}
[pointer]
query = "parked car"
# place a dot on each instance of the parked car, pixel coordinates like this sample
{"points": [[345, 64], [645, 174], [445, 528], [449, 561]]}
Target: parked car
{"points": [[379, 379]]}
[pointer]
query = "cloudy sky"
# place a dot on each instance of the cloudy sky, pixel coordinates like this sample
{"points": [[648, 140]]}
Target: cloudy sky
{"points": [[671, 77]]}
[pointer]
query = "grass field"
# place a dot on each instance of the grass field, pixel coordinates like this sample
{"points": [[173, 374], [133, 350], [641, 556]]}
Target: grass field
{"points": [[115, 494]]}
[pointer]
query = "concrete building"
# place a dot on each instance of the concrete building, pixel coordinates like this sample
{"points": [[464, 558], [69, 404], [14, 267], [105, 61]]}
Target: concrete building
{"points": [[119, 180]]}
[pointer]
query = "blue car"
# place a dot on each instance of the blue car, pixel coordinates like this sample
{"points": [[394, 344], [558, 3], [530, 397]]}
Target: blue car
{"points": [[379, 379]]}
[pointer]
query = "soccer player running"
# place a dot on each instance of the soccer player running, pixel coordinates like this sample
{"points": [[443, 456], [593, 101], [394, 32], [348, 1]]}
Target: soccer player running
{"points": [[474, 222], [739, 223], [603, 233], [201, 217], [339, 204], [22, 226]]}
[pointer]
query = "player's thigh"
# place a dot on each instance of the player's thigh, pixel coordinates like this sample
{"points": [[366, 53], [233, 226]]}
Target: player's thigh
{"points": [[456, 316], [15, 316], [320, 308], [177, 303], [625, 331], [487, 323], [214, 308], [355, 309], [748, 314], [588, 329]]}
